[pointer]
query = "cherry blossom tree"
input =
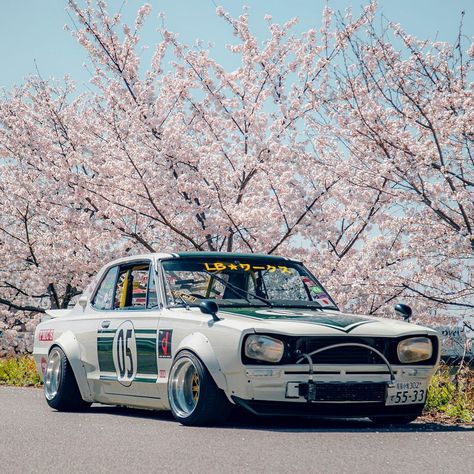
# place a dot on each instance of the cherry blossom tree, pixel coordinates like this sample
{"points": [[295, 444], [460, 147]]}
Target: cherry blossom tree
{"points": [[403, 110], [50, 243], [197, 148], [341, 146]]}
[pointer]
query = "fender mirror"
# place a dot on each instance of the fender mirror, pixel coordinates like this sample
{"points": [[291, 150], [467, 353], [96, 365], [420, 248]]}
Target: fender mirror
{"points": [[404, 311], [210, 307], [83, 302]]}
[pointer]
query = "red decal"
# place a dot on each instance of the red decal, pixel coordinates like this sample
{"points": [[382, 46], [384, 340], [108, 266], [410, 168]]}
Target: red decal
{"points": [[324, 302], [162, 373], [43, 364], [164, 343], [46, 335]]}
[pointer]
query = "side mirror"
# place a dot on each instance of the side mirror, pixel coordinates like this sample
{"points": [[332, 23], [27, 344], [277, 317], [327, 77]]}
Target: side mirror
{"points": [[210, 307], [83, 302], [404, 311]]}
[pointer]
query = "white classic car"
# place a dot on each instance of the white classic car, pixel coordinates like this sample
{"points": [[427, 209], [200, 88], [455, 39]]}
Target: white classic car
{"points": [[199, 333]]}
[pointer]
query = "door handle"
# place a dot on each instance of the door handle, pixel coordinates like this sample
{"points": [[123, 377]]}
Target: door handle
{"points": [[105, 324]]}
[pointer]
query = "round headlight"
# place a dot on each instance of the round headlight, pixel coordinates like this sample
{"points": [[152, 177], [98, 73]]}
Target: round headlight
{"points": [[264, 348], [414, 349]]}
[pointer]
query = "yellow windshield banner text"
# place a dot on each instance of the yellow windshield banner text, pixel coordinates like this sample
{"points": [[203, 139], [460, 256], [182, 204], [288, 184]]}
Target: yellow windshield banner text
{"points": [[246, 267]]}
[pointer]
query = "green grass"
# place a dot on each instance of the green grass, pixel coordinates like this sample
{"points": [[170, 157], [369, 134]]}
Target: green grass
{"points": [[19, 371], [451, 394]]}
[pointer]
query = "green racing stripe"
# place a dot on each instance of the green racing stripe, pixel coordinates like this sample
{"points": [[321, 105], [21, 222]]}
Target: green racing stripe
{"points": [[146, 353], [340, 322]]}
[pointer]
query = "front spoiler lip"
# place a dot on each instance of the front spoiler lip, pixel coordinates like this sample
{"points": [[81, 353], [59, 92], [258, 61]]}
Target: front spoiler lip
{"points": [[326, 409]]}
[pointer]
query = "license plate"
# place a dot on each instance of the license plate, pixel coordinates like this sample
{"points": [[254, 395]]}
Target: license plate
{"points": [[406, 392]]}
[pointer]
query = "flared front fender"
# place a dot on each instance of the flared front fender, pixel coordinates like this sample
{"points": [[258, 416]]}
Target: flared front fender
{"points": [[200, 345]]}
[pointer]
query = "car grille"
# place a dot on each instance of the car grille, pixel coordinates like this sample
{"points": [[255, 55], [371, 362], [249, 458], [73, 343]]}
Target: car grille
{"points": [[346, 355], [350, 392]]}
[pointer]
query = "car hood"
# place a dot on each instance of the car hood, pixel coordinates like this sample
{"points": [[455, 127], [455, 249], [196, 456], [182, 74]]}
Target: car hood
{"points": [[320, 322]]}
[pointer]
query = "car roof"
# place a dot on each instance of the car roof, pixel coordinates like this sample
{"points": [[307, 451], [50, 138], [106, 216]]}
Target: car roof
{"points": [[227, 255], [142, 256], [170, 255]]}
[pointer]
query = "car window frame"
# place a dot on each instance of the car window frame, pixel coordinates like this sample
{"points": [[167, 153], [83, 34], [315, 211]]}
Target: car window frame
{"points": [[160, 273], [123, 265], [151, 275]]}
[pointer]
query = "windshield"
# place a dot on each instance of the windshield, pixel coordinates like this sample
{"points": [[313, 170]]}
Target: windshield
{"points": [[249, 281]]}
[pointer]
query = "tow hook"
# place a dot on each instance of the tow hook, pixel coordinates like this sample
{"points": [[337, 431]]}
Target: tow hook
{"points": [[309, 389], [311, 395]]}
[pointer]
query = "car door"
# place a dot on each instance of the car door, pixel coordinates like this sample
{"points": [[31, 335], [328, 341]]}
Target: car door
{"points": [[96, 336], [127, 338]]}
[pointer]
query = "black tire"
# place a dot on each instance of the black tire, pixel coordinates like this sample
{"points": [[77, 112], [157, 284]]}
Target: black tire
{"points": [[211, 406], [393, 420], [67, 397]]}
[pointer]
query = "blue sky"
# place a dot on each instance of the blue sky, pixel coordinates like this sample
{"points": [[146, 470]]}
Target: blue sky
{"points": [[33, 30]]}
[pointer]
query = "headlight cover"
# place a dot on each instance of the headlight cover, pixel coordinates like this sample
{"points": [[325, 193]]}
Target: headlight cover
{"points": [[264, 348], [414, 349]]}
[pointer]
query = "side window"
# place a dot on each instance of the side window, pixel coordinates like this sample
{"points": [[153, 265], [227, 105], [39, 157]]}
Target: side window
{"points": [[134, 288], [104, 296]]}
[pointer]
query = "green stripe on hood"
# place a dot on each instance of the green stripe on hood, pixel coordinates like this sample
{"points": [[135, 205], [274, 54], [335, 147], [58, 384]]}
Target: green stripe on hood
{"points": [[340, 322]]}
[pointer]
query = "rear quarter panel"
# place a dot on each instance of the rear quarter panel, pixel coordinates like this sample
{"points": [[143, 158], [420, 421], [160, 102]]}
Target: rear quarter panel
{"points": [[61, 332]]}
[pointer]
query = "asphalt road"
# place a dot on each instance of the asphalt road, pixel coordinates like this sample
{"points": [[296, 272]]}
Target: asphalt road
{"points": [[34, 438]]}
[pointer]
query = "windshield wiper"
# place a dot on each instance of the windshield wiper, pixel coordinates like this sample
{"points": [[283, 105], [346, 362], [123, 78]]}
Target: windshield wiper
{"points": [[180, 296], [241, 291]]}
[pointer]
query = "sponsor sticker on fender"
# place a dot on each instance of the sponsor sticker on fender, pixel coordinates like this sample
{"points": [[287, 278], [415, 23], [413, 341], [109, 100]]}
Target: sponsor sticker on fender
{"points": [[164, 343], [46, 335]]}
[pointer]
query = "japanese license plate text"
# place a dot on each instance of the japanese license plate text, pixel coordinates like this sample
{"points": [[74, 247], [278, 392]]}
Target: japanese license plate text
{"points": [[406, 392]]}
